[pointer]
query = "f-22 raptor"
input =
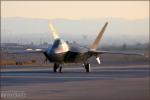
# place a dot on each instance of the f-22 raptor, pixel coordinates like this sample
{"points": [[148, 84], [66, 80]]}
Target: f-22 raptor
{"points": [[62, 52]]}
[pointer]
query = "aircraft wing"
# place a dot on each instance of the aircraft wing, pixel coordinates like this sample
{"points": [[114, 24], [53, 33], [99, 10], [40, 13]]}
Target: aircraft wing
{"points": [[114, 52], [26, 51]]}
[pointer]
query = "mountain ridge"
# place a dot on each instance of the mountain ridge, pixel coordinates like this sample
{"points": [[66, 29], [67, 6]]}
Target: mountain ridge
{"points": [[84, 31]]}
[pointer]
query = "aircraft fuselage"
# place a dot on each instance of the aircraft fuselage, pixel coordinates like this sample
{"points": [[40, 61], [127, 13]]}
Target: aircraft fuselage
{"points": [[63, 52]]}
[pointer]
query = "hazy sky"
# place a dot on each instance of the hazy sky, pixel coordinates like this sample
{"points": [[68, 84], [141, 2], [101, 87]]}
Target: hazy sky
{"points": [[76, 9]]}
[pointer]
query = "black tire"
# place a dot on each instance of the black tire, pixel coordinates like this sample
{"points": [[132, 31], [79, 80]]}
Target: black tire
{"points": [[60, 69], [55, 67], [87, 67]]}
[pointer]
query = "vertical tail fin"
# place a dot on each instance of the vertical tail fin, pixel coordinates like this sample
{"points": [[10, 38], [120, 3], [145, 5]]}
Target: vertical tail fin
{"points": [[54, 32], [95, 44]]}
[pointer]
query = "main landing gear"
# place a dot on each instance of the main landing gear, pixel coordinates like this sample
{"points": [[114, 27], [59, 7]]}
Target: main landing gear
{"points": [[56, 66], [87, 67]]}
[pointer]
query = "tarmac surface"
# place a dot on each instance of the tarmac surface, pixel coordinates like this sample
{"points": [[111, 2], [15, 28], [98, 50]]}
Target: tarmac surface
{"points": [[102, 83]]}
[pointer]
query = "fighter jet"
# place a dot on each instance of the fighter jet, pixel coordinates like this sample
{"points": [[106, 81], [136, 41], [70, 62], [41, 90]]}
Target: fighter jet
{"points": [[62, 52]]}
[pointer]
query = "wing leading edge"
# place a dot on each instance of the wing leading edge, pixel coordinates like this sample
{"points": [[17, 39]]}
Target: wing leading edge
{"points": [[113, 52], [26, 51]]}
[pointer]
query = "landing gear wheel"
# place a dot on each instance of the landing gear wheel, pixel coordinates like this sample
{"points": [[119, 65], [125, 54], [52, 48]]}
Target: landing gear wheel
{"points": [[60, 69], [55, 67], [87, 67]]}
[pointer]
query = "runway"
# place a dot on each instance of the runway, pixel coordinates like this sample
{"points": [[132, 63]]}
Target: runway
{"points": [[103, 83]]}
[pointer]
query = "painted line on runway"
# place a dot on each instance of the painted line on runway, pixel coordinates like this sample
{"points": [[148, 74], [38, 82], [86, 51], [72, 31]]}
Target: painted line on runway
{"points": [[75, 77], [97, 70], [68, 77]]}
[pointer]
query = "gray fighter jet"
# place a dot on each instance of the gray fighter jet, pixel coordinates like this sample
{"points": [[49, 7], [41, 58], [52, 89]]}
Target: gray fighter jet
{"points": [[63, 52]]}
